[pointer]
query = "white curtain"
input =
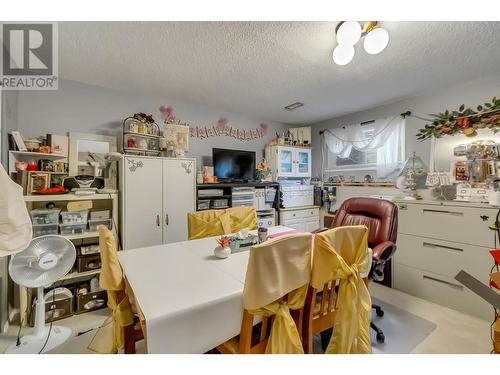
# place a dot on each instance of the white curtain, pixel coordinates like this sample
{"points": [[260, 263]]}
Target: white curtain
{"points": [[386, 135]]}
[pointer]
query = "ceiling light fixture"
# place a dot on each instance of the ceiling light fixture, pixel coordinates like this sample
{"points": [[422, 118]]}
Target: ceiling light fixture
{"points": [[294, 105], [350, 32]]}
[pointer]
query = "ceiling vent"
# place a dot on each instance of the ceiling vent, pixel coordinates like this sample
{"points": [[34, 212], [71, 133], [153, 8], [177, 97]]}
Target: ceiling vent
{"points": [[294, 106]]}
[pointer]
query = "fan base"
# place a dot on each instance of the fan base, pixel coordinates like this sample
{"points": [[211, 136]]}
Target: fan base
{"points": [[31, 344]]}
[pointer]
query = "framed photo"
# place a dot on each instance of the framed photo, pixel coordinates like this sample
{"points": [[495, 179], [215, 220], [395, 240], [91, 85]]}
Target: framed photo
{"points": [[178, 135], [19, 141], [182, 138], [58, 144], [37, 181]]}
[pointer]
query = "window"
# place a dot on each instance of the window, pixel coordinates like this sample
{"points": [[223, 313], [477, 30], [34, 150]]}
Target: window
{"points": [[356, 159], [377, 146]]}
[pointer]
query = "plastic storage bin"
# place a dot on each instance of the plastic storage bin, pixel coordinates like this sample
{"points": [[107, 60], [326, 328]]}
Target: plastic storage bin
{"points": [[219, 203], [45, 216], [203, 204], [74, 228], [93, 224], [44, 229], [74, 217]]}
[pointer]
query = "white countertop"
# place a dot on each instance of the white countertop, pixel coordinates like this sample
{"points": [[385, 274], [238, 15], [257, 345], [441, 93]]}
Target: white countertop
{"points": [[190, 299]]}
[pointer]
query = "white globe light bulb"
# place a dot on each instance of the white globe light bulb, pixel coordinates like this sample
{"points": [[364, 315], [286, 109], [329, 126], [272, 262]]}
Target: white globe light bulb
{"points": [[376, 41], [349, 33], [343, 54]]}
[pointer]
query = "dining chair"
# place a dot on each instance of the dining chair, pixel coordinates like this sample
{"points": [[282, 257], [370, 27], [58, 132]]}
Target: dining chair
{"points": [[381, 218], [124, 327], [274, 293], [244, 217], [208, 223], [338, 296]]}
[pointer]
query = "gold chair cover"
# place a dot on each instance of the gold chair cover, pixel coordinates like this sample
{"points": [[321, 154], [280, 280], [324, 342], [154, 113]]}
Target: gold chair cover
{"points": [[342, 254]]}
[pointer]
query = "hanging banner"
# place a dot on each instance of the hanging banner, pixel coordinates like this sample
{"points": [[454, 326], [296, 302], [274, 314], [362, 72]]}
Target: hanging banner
{"points": [[221, 129]]}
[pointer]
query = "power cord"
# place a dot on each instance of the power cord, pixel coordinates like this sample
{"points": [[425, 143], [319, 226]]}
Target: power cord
{"points": [[52, 321]]}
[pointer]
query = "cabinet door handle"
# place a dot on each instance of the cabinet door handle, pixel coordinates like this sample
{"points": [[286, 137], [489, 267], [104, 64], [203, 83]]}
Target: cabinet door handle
{"points": [[443, 282], [442, 212], [158, 220], [166, 219], [430, 244]]}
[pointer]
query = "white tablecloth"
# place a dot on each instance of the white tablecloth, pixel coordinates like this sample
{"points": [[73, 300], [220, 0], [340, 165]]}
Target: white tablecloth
{"points": [[191, 300]]}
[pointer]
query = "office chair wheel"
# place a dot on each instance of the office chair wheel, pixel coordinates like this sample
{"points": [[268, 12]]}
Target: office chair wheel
{"points": [[380, 338], [379, 312]]}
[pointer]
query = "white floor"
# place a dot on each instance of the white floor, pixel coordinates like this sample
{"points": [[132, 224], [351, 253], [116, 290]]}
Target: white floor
{"points": [[454, 333]]}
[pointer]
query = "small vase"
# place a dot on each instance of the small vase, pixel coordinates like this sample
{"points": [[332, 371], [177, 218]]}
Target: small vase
{"points": [[222, 252]]}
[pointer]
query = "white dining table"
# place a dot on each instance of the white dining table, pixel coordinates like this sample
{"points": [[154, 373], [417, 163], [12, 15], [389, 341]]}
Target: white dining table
{"points": [[190, 300]]}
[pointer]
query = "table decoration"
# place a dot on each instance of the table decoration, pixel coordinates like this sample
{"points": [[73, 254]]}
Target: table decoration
{"points": [[223, 250]]}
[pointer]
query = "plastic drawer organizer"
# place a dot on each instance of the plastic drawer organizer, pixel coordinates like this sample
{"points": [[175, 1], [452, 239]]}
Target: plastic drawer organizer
{"points": [[77, 228], [93, 224], [45, 216], [44, 229], [74, 217]]}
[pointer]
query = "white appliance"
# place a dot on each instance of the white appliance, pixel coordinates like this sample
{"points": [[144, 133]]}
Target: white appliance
{"points": [[289, 161], [264, 198], [266, 218], [157, 195], [295, 195]]}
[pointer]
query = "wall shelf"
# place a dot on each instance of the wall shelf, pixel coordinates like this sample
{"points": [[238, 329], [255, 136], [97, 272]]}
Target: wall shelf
{"points": [[40, 155], [68, 197]]}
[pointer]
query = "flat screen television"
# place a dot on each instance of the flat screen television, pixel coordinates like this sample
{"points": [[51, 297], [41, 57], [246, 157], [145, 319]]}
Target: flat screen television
{"points": [[233, 164]]}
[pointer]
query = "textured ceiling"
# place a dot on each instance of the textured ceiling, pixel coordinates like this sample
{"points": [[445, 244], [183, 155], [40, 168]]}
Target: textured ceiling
{"points": [[256, 68]]}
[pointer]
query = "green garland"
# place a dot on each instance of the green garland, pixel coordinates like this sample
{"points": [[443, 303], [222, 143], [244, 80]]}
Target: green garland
{"points": [[464, 121]]}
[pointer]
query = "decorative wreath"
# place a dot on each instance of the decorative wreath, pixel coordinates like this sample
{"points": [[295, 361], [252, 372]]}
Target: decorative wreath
{"points": [[464, 121]]}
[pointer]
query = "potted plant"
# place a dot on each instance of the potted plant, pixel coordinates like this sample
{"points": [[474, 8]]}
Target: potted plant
{"points": [[223, 250]]}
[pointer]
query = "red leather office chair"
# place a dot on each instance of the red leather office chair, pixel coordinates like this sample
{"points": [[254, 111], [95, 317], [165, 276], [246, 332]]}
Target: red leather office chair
{"points": [[381, 218]]}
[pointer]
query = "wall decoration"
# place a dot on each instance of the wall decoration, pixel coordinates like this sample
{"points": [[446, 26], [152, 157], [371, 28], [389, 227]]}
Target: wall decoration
{"points": [[220, 129], [464, 121], [135, 164]]}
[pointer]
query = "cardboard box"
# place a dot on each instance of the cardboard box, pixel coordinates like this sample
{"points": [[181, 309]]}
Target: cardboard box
{"points": [[88, 262], [91, 301]]}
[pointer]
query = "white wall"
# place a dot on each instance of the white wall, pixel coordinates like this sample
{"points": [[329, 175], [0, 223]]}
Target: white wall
{"points": [[470, 93], [79, 107]]}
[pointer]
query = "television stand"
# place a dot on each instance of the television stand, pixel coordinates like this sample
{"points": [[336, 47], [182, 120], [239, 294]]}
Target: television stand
{"points": [[227, 191]]}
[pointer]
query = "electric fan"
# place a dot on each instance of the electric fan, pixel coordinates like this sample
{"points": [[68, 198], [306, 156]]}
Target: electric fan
{"points": [[44, 261]]}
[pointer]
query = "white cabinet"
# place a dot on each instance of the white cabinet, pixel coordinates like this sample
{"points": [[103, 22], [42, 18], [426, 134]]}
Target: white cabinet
{"points": [[288, 161], [435, 241], [157, 194], [302, 219]]}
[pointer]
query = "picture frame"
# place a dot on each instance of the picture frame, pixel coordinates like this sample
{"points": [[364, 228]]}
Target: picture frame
{"points": [[37, 181], [58, 144], [178, 135], [21, 146]]}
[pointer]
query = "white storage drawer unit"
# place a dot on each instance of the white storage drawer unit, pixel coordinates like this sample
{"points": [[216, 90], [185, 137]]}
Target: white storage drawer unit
{"points": [[302, 219], [435, 241]]}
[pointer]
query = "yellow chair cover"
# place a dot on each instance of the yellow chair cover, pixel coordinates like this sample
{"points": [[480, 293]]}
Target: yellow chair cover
{"points": [[208, 223], [109, 337], [242, 217], [342, 254], [276, 268]]}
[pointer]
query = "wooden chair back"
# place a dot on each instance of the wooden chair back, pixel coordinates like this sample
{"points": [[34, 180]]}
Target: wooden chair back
{"points": [[254, 333], [320, 309]]}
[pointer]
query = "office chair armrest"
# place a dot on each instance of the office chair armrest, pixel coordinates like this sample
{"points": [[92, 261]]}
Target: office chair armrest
{"points": [[384, 250], [319, 230]]}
